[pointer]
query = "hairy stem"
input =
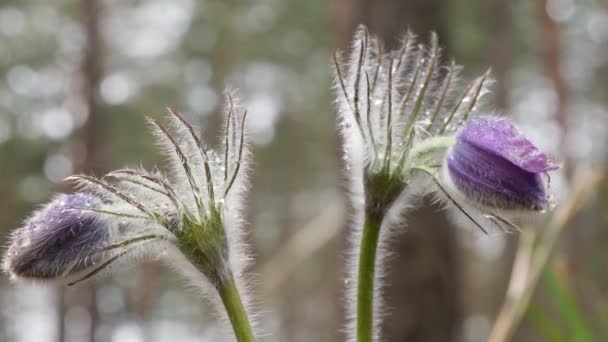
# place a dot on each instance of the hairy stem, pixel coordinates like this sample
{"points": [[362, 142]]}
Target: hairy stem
{"points": [[365, 290], [236, 311]]}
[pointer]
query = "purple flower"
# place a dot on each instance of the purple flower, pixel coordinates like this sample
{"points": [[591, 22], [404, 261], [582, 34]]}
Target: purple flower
{"points": [[58, 241], [493, 164]]}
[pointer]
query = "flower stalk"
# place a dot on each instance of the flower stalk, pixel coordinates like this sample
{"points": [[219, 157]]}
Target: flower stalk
{"points": [[367, 266], [236, 311]]}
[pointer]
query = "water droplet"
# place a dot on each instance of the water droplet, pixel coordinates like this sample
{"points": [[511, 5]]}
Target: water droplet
{"points": [[26, 242]]}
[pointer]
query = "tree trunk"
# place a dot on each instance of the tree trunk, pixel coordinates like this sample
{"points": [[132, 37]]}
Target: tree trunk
{"points": [[90, 137]]}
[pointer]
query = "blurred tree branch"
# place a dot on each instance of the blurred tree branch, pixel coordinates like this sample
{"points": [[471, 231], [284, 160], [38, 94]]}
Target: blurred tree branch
{"points": [[305, 243], [552, 60], [534, 251]]}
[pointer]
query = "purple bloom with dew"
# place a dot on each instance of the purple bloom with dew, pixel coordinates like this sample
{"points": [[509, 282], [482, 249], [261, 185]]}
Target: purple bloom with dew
{"points": [[58, 240], [492, 164]]}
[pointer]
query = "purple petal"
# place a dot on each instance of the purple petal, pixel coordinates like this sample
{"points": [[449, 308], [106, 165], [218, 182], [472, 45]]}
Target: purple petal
{"points": [[498, 136], [494, 181], [58, 240]]}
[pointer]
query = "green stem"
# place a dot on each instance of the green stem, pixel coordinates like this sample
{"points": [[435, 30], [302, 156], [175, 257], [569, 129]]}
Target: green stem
{"points": [[236, 312], [365, 290]]}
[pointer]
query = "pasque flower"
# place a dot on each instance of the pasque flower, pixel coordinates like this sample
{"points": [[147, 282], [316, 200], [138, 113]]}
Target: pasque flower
{"points": [[57, 241], [190, 219], [494, 166], [398, 111]]}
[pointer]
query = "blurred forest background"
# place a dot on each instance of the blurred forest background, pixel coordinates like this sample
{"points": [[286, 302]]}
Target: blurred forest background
{"points": [[77, 78]]}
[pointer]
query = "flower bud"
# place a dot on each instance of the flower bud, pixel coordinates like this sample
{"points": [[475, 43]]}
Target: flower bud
{"points": [[493, 165], [58, 241]]}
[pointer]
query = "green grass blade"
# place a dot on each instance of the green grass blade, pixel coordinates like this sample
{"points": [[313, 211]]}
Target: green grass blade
{"points": [[547, 327], [566, 304]]}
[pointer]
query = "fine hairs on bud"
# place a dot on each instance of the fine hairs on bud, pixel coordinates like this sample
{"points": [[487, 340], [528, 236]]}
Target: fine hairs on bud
{"points": [[191, 219], [55, 244], [396, 110]]}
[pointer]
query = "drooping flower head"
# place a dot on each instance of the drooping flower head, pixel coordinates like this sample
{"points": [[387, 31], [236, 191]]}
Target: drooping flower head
{"points": [[58, 241], [193, 215], [493, 165]]}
